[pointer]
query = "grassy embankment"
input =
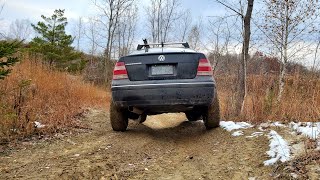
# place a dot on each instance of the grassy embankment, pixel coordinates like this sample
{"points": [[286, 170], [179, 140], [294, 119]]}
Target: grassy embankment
{"points": [[35, 92]]}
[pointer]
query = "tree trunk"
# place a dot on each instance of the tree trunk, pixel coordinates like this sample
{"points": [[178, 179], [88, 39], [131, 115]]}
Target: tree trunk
{"points": [[282, 80], [285, 54], [242, 85]]}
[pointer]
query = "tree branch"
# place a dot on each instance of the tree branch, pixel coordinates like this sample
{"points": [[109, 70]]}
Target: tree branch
{"points": [[227, 6]]}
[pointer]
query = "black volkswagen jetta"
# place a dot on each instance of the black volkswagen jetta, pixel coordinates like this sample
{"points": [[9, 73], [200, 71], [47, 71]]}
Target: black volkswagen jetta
{"points": [[159, 78]]}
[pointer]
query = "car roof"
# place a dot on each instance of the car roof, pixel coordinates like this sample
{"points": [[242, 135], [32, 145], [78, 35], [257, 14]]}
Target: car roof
{"points": [[158, 50]]}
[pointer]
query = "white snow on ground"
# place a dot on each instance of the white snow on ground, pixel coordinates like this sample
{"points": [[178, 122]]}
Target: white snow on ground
{"points": [[264, 126], [277, 124], [38, 124], [279, 149], [229, 125], [311, 130], [237, 133]]}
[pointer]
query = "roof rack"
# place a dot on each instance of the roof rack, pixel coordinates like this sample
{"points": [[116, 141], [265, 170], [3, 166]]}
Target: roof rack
{"points": [[146, 45]]}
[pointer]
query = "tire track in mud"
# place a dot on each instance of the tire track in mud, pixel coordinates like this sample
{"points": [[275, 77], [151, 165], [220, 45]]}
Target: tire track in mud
{"points": [[164, 147]]}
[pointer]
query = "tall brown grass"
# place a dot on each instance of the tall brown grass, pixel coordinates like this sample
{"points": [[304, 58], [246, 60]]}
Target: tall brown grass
{"points": [[35, 92], [300, 101]]}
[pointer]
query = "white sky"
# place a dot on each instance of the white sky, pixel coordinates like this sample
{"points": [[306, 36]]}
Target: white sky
{"points": [[32, 9]]}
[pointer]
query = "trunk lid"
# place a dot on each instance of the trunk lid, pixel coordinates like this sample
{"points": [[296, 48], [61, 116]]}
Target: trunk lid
{"points": [[162, 66]]}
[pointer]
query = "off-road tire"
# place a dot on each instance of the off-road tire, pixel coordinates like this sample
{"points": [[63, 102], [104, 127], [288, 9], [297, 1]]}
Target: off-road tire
{"points": [[193, 116], [118, 118], [211, 116]]}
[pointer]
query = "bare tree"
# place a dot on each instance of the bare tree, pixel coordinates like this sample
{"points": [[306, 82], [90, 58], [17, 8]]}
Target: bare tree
{"points": [[245, 53], [162, 15], [110, 13], [95, 70], [1, 9], [220, 35], [126, 30], [246, 26], [92, 35], [79, 31], [286, 24], [170, 15], [184, 25], [194, 37], [152, 19], [20, 29]]}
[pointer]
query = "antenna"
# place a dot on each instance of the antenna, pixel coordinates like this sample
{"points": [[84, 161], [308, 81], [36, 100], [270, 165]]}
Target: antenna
{"points": [[145, 42]]}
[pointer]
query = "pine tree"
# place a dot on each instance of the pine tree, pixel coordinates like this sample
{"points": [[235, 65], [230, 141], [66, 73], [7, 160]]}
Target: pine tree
{"points": [[7, 50], [53, 42]]}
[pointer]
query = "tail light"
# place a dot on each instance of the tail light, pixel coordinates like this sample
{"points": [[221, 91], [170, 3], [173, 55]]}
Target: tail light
{"points": [[204, 68], [120, 71]]}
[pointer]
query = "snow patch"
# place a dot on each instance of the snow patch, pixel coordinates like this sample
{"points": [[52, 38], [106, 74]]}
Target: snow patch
{"points": [[230, 125], [237, 133], [311, 130], [38, 124], [279, 149], [255, 134], [277, 124]]}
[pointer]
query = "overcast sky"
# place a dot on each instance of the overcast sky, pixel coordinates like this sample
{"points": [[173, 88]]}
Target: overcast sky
{"points": [[33, 9]]}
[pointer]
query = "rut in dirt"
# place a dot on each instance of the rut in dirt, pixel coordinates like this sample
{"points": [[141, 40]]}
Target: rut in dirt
{"points": [[164, 147]]}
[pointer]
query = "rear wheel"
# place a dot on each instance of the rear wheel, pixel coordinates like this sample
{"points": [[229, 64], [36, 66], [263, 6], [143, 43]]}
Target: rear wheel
{"points": [[118, 117], [211, 116]]}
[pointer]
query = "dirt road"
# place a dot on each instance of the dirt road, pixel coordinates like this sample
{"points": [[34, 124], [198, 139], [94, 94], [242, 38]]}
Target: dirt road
{"points": [[164, 147]]}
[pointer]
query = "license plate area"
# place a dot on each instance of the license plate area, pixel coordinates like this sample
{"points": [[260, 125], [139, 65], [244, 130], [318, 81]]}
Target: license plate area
{"points": [[162, 70]]}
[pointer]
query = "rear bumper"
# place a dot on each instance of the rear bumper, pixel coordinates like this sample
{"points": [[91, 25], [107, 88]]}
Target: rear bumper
{"points": [[166, 94]]}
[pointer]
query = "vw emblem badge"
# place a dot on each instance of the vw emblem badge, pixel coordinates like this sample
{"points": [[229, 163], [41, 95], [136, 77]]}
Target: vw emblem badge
{"points": [[161, 58]]}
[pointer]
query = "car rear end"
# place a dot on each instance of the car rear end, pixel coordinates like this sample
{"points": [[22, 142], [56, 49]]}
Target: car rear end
{"points": [[163, 81]]}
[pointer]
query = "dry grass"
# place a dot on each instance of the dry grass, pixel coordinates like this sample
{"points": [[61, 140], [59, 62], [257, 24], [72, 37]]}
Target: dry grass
{"points": [[34, 92], [300, 101]]}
